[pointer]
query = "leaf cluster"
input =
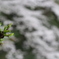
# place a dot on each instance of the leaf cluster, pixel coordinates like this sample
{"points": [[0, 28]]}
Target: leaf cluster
{"points": [[5, 32]]}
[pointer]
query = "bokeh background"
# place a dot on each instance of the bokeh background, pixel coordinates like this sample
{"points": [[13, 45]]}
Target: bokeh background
{"points": [[35, 27]]}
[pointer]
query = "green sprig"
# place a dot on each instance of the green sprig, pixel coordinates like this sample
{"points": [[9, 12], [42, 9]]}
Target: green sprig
{"points": [[5, 32]]}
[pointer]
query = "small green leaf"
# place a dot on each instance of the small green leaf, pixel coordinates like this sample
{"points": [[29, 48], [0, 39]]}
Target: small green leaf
{"points": [[7, 27], [5, 31], [11, 34], [1, 39]]}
